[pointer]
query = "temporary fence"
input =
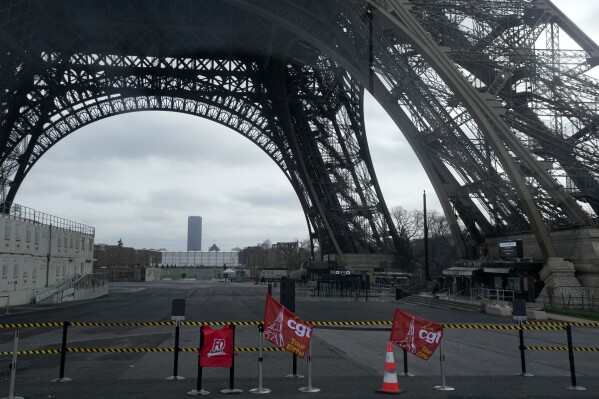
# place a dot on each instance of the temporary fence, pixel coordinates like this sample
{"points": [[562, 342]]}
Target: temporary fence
{"points": [[347, 293], [381, 325], [581, 302]]}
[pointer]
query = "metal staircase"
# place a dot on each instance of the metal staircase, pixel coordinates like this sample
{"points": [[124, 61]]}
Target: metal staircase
{"points": [[61, 292]]}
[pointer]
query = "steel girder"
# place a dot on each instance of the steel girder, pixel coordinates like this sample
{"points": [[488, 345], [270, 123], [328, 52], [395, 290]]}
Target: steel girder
{"points": [[502, 117], [477, 38], [309, 119], [502, 164]]}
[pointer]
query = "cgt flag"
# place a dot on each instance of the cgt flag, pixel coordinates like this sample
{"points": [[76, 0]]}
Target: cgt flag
{"points": [[284, 329], [417, 336]]}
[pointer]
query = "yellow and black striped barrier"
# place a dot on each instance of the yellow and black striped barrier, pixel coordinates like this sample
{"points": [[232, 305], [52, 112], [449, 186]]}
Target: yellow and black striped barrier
{"points": [[128, 350], [164, 323], [239, 350], [351, 323], [562, 323], [504, 327], [526, 326], [33, 352], [559, 348], [221, 323], [29, 325], [129, 324], [184, 323]]}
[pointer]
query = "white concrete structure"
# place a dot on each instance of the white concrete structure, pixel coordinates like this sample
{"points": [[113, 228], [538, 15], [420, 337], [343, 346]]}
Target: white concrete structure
{"points": [[39, 253]]}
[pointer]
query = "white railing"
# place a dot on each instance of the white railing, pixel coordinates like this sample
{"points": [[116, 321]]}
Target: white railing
{"points": [[41, 295], [492, 294]]}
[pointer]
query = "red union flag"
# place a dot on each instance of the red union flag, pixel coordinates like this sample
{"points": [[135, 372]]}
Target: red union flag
{"points": [[217, 348], [417, 336], [284, 329]]}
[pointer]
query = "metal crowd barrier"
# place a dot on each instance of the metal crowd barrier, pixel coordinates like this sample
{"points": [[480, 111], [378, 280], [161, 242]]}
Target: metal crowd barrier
{"points": [[345, 325]]}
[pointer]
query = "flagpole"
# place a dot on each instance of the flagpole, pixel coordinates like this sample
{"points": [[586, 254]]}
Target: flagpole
{"points": [[405, 365], [309, 388], [442, 387], [260, 390]]}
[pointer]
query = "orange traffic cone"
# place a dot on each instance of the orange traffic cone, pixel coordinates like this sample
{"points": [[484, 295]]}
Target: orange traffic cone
{"points": [[390, 384]]}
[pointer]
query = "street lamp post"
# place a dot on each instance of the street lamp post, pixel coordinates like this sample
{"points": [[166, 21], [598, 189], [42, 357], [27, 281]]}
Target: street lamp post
{"points": [[427, 275], [118, 253]]}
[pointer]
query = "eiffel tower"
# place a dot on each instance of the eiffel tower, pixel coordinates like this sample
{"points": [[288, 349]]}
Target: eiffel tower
{"points": [[493, 96], [274, 332], [408, 342]]}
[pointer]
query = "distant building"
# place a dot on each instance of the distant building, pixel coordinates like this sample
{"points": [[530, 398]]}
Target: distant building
{"points": [[200, 259], [115, 256], [194, 233]]}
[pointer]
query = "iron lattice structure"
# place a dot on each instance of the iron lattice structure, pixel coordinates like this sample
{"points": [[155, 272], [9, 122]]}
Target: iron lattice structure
{"points": [[495, 97]]}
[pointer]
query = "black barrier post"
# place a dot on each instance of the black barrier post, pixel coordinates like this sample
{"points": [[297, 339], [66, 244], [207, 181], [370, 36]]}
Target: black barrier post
{"points": [[572, 387], [270, 288], [294, 368], [177, 314], [176, 363], [63, 354], [199, 390], [522, 349], [176, 377], [405, 365], [231, 388]]}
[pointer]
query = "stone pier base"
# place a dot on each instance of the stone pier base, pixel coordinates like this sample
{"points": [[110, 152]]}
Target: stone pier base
{"points": [[560, 280]]}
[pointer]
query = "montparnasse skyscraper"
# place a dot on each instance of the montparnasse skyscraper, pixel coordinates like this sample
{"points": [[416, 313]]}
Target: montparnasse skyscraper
{"points": [[194, 233]]}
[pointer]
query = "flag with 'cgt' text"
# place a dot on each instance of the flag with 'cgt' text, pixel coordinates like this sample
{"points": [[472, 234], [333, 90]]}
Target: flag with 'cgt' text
{"points": [[418, 336], [285, 329]]}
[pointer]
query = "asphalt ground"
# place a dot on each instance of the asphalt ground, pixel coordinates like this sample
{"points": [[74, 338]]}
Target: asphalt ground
{"points": [[347, 362]]}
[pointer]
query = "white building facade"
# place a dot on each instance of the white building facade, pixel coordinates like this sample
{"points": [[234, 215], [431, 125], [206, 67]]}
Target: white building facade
{"points": [[38, 252], [200, 259]]}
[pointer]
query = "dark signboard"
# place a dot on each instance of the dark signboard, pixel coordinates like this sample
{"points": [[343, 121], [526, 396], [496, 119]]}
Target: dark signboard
{"points": [[178, 311], [519, 309], [511, 249]]}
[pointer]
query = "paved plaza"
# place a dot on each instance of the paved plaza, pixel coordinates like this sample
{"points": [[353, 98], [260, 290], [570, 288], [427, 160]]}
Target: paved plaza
{"points": [[348, 362]]}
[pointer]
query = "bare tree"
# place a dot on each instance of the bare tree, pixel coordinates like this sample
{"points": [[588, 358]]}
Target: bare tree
{"points": [[253, 257], [410, 226], [286, 251], [409, 223], [437, 225]]}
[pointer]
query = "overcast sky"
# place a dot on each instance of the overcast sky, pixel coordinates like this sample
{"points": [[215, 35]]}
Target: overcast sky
{"points": [[137, 177]]}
